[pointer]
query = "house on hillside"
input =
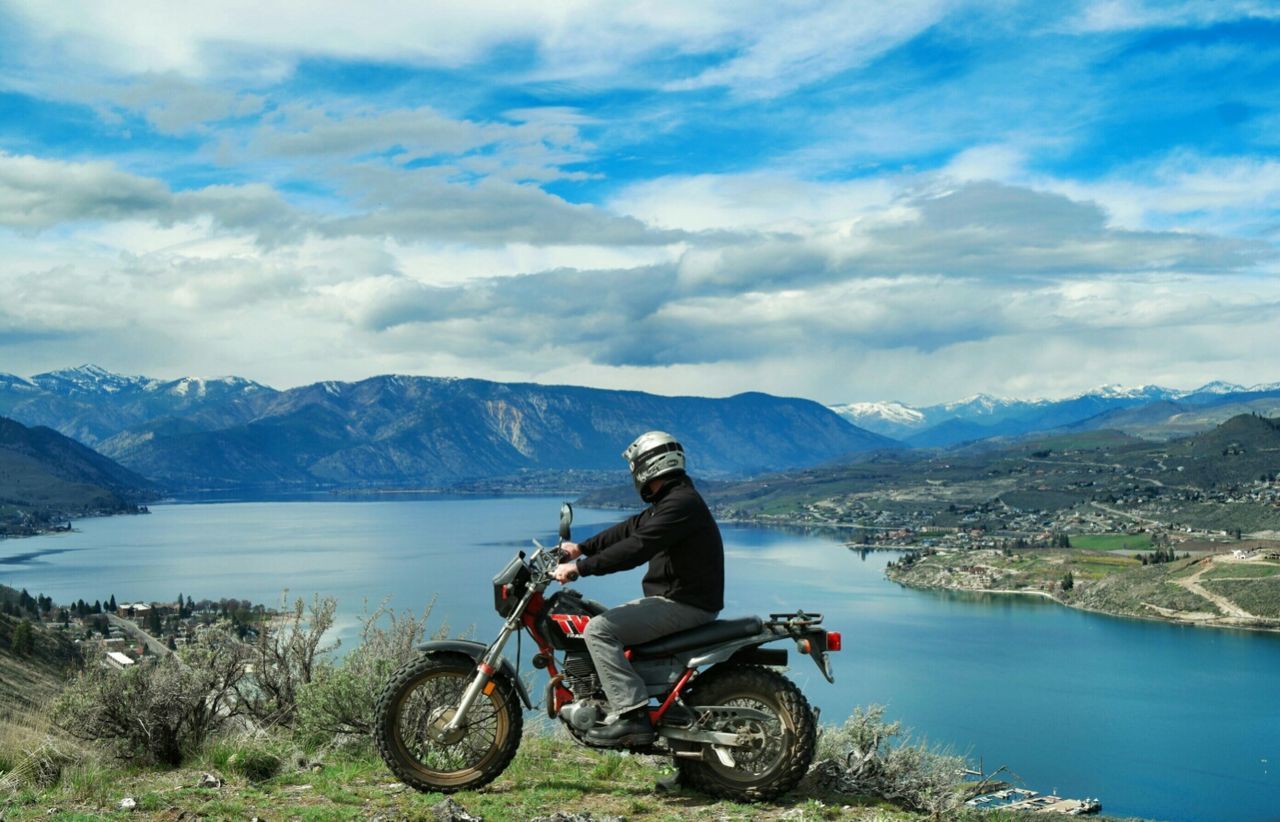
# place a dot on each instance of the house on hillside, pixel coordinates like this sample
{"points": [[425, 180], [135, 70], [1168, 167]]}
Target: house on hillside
{"points": [[118, 660], [135, 611]]}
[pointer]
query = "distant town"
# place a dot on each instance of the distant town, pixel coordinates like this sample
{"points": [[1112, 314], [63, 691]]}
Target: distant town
{"points": [[121, 634]]}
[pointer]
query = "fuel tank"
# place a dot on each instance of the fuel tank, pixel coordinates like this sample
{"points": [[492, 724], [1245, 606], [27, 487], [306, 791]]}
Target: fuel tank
{"points": [[564, 619]]}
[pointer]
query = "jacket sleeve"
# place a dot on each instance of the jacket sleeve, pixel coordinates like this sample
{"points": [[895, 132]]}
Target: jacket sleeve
{"points": [[610, 535], [643, 536]]}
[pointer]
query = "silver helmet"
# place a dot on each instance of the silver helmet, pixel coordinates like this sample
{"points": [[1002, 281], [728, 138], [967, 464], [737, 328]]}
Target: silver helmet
{"points": [[653, 454]]}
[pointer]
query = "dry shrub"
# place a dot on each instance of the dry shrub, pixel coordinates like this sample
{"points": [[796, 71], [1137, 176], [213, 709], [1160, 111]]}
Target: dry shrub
{"points": [[158, 711], [285, 658], [861, 758], [340, 698]]}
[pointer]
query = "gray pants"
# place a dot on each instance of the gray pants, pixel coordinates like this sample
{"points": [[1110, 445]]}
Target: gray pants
{"points": [[635, 622]]}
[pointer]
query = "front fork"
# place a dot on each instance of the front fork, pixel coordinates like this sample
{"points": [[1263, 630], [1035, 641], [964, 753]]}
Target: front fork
{"points": [[485, 670]]}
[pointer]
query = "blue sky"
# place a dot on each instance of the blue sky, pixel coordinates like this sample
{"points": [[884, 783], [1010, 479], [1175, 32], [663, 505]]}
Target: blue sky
{"points": [[844, 201]]}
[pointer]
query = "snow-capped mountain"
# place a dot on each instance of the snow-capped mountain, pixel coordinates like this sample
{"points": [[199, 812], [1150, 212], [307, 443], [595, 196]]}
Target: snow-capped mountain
{"points": [[892, 419], [12, 382], [87, 379], [1130, 392], [197, 387], [90, 404], [983, 415], [95, 380], [1217, 387]]}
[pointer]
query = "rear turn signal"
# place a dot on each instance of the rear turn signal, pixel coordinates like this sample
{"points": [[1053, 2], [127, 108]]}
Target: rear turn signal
{"points": [[833, 640]]}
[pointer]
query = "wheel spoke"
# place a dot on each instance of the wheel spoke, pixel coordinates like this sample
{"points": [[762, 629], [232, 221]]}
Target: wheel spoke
{"points": [[429, 706], [764, 738]]}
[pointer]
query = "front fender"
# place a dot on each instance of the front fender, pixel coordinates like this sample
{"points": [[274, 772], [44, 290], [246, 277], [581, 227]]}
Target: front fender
{"points": [[476, 651]]}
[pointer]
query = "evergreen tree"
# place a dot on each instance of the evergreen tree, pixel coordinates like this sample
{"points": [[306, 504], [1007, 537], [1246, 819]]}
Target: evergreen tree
{"points": [[24, 641]]}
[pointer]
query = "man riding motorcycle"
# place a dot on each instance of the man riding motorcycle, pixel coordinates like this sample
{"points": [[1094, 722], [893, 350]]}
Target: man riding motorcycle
{"points": [[684, 584]]}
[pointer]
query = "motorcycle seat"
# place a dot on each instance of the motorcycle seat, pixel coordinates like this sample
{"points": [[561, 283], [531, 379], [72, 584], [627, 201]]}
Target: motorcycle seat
{"points": [[710, 633]]}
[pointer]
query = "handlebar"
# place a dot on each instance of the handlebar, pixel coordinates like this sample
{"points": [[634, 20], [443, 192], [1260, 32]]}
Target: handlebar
{"points": [[554, 554], [560, 557]]}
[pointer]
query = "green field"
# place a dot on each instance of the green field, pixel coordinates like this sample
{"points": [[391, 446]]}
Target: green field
{"points": [[1112, 542], [1260, 597], [1241, 570], [1096, 566]]}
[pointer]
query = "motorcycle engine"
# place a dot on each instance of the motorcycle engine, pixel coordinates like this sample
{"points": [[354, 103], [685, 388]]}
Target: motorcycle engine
{"points": [[580, 675], [583, 715]]}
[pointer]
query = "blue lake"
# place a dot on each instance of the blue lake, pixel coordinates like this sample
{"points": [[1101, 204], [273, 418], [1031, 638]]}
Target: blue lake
{"points": [[1158, 721]]}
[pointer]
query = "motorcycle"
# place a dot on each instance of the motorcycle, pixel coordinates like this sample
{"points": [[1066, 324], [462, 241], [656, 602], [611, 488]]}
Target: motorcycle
{"points": [[451, 718]]}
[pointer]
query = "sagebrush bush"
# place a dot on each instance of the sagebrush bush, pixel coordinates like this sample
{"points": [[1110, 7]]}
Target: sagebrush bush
{"points": [[339, 699], [161, 710], [286, 656], [861, 757]]}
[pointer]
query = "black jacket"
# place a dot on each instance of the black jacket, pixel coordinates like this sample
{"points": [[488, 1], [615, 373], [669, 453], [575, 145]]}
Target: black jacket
{"points": [[680, 540]]}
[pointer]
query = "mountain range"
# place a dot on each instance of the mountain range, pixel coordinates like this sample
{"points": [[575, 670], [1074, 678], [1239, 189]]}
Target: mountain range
{"points": [[409, 431], [1148, 411], [427, 432]]}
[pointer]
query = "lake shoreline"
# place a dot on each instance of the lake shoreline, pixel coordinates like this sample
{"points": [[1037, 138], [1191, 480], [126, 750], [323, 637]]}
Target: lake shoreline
{"points": [[1165, 616]]}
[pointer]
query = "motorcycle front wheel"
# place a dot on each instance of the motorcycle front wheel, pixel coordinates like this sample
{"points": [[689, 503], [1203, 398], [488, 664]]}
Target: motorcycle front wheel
{"points": [[777, 751], [413, 710]]}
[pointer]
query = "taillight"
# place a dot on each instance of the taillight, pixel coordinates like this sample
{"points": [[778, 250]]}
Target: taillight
{"points": [[833, 640]]}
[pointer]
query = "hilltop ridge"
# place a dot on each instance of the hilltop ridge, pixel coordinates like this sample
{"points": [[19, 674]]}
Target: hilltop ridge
{"points": [[46, 477]]}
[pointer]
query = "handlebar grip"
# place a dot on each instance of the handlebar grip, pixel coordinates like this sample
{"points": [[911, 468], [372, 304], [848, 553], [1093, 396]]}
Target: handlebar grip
{"points": [[573, 576]]}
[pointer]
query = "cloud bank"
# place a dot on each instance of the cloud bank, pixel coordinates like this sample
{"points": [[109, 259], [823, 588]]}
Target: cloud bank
{"points": [[835, 201]]}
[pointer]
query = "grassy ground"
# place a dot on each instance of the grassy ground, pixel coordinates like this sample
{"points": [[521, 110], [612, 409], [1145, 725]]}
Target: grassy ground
{"points": [[1260, 597], [549, 774], [1240, 570], [1112, 542]]}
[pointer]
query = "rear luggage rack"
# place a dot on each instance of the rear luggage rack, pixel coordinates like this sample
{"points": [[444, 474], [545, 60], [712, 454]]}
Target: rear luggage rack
{"points": [[797, 621]]}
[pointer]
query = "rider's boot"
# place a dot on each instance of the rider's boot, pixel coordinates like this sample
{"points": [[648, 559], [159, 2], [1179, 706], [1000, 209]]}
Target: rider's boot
{"points": [[631, 730]]}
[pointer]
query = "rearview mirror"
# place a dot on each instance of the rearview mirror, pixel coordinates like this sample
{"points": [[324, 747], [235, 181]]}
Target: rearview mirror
{"points": [[566, 519]]}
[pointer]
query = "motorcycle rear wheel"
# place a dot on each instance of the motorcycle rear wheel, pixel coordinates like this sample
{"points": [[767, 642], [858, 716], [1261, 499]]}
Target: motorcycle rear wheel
{"points": [[419, 701], [779, 750]]}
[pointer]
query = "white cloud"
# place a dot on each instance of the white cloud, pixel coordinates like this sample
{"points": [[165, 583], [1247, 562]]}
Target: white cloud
{"points": [[576, 38], [805, 42], [423, 203], [173, 104], [409, 205], [1228, 195], [297, 130], [37, 193], [1123, 15], [761, 201]]}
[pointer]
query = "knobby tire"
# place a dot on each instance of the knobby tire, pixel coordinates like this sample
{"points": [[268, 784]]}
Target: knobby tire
{"points": [[785, 751], [420, 692]]}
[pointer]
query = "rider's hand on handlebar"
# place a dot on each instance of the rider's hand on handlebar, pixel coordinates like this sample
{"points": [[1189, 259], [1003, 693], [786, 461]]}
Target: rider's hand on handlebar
{"points": [[570, 550], [566, 572]]}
